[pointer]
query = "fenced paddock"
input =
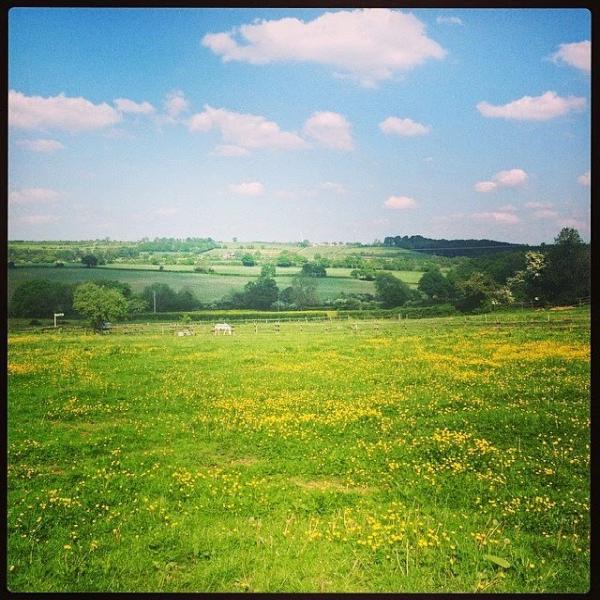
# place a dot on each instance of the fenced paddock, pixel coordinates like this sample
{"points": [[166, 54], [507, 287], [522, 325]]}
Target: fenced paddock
{"points": [[571, 319]]}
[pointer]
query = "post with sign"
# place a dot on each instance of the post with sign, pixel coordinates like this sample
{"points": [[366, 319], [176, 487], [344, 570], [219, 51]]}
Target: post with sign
{"points": [[57, 315]]}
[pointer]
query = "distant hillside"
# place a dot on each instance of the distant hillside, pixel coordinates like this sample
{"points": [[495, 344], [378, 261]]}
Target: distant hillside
{"points": [[418, 243]]}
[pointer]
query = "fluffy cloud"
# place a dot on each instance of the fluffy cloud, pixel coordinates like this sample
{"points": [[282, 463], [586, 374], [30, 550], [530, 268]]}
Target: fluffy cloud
{"points": [[533, 108], [368, 45], [485, 186], [585, 179], [40, 145], [448, 21], [249, 188], [496, 217], [138, 108], [403, 127], [400, 202], [245, 130], [58, 112], [330, 130], [578, 55], [510, 178], [176, 103], [32, 196]]}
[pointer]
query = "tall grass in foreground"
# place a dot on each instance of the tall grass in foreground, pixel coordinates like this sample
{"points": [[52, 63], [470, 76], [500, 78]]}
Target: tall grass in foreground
{"points": [[420, 456]]}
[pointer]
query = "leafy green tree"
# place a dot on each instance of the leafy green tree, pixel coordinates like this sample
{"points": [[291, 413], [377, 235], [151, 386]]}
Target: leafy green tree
{"points": [[248, 260], [390, 290], [476, 292], [113, 284], [313, 269], [528, 284], [567, 274], [166, 297], [260, 293], [136, 305], [435, 285], [186, 300], [89, 260], [267, 270], [41, 298], [99, 304], [302, 293]]}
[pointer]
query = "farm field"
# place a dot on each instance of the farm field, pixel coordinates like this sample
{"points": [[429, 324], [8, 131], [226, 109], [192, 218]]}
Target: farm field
{"points": [[207, 288], [434, 455]]}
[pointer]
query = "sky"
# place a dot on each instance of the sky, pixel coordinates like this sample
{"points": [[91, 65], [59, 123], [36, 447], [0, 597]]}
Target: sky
{"points": [[291, 124]]}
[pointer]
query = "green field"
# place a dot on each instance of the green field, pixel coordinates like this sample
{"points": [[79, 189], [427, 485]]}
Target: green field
{"points": [[207, 288], [438, 455]]}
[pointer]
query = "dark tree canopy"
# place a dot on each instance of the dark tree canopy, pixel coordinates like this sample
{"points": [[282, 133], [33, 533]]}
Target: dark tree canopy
{"points": [[89, 260], [435, 285], [260, 293], [41, 298], [391, 291], [314, 269]]}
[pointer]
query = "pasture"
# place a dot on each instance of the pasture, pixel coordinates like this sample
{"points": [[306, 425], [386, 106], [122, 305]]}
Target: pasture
{"points": [[440, 455], [207, 288]]}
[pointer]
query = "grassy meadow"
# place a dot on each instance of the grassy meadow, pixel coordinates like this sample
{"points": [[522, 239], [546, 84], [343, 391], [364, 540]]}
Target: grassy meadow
{"points": [[206, 287], [439, 455]]}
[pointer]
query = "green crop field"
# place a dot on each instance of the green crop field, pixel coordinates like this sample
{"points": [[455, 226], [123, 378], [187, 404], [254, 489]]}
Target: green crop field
{"points": [[207, 288], [439, 455]]}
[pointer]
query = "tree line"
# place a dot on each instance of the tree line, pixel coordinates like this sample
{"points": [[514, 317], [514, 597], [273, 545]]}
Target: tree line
{"points": [[556, 274]]}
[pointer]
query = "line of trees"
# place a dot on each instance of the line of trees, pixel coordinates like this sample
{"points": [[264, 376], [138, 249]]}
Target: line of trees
{"points": [[556, 274]]}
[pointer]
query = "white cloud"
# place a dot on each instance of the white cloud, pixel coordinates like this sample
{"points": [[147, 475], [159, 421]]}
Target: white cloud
{"points": [[329, 129], [32, 195], [403, 127], [537, 108], [40, 145], [245, 130], [485, 186], [400, 202], [448, 20], [577, 54], [37, 219], [129, 106], [229, 150], [367, 45], [508, 208], [585, 179], [58, 112], [496, 217], [510, 178], [176, 103], [248, 188]]}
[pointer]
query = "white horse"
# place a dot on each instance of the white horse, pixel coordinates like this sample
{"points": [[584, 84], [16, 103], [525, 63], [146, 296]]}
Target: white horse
{"points": [[223, 328]]}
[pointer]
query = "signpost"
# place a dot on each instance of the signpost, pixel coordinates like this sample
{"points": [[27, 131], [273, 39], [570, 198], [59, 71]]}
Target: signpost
{"points": [[57, 315]]}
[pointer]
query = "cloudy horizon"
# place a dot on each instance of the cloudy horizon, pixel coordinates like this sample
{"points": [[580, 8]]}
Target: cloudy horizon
{"points": [[284, 124]]}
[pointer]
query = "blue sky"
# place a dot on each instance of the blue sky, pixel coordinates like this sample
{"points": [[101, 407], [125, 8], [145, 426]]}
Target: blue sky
{"points": [[276, 124]]}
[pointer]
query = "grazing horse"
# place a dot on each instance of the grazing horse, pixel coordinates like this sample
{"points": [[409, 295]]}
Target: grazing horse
{"points": [[223, 328]]}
